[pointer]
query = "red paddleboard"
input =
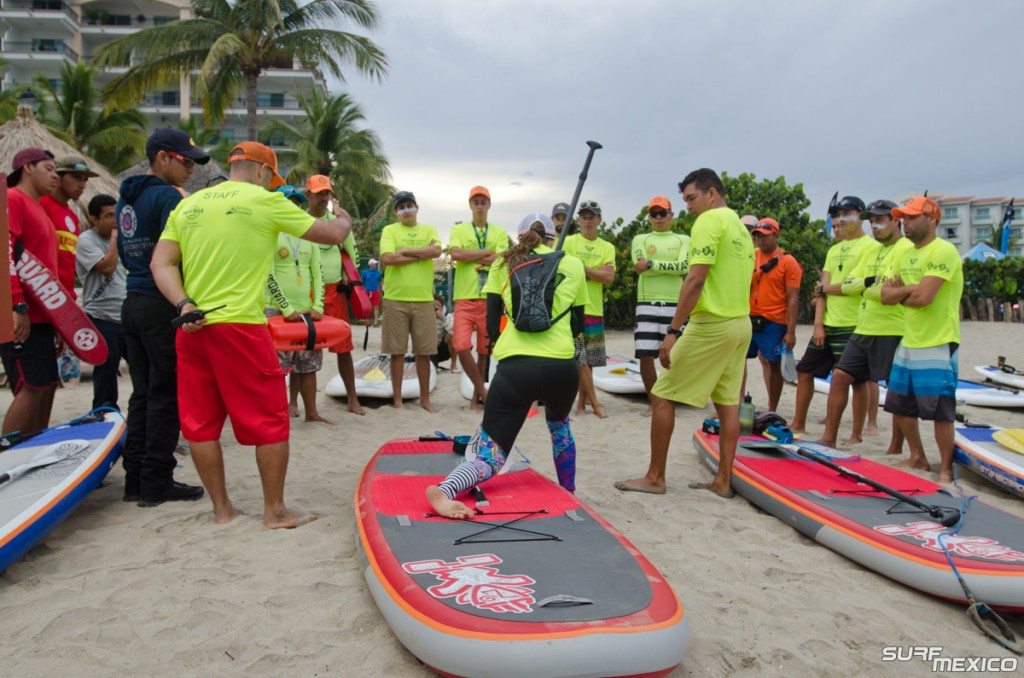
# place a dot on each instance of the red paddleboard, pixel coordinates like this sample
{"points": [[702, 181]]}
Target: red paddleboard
{"points": [[43, 288], [307, 334], [358, 297]]}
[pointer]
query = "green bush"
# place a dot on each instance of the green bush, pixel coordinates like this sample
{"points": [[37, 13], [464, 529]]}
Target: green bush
{"points": [[1001, 280]]}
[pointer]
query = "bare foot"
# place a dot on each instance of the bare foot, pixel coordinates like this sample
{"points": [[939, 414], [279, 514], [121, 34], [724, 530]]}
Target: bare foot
{"points": [[398, 404], [871, 430], [639, 485], [919, 464], [425, 404], [580, 411], [225, 516], [356, 408], [724, 493], [945, 477], [824, 441], [599, 411], [823, 421], [449, 508], [894, 450], [474, 405], [648, 411], [315, 416], [293, 410], [852, 440], [287, 519], [798, 430]]}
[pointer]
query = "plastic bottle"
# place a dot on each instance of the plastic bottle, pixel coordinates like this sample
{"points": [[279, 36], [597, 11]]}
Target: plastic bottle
{"points": [[747, 416]]}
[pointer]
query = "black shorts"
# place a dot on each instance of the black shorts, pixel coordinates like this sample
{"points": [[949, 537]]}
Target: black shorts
{"points": [[34, 363], [819, 360], [868, 358]]}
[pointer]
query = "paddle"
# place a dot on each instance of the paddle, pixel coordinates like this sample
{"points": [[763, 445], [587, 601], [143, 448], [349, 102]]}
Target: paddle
{"points": [[946, 516], [48, 455], [988, 383]]}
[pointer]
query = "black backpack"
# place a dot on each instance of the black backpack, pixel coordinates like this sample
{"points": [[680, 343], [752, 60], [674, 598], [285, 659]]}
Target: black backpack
{"points": [[533, 284]]}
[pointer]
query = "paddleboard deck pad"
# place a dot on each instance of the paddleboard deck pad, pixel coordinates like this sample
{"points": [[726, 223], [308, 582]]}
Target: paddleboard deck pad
{"points": [[977, 449], [967, 393], [35, 503], [557, 592], [877, 531], [373, 379]]}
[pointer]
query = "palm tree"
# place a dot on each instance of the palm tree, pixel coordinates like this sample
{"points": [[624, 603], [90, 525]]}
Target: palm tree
{"points": [[9, 99], [331, 141], [72, 111], [232, 43]]}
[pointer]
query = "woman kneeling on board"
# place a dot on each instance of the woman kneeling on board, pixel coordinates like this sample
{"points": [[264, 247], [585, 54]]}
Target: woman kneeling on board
{"points": [[535, 353]]}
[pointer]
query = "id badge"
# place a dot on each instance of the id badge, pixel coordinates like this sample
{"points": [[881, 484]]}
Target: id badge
{"points": [[481, 275]]}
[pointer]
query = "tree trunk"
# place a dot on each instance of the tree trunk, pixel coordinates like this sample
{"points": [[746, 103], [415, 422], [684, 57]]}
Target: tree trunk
{"points": [[1007, 312], [972, 312], [250, 104], [990, 310]]}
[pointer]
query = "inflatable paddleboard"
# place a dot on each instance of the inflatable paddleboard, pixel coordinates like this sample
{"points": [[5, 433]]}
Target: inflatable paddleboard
{"points": [[967, 393], [32, 504], [994, 374], [373, 379], [307, 334], [978, 449], [875, 530], [466, 384], [558, 592], [358, 297]]}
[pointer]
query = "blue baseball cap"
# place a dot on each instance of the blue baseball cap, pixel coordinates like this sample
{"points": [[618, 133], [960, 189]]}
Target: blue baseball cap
{"points": [[291, 192]]}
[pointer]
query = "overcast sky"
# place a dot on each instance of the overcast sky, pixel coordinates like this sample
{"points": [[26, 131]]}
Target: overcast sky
{"points": [[875, 99]]}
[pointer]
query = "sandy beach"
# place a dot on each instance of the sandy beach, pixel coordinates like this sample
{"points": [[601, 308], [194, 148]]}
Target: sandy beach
{"points": [[122, 590]]}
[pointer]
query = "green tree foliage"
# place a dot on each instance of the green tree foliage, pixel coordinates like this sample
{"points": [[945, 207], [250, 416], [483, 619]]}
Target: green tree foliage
{"points": [[998, 279], [8, 98], [231, 43], [72, 111]]}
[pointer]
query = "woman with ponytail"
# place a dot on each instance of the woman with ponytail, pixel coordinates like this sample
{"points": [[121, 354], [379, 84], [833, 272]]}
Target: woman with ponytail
{"points": [[532, 366]]}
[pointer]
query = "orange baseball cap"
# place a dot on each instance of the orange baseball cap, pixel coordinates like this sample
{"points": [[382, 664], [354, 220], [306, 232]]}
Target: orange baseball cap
{"points": [[767, 226], [479, 190], [318, 183], [659, 201], [919, 204], [257, 152]]}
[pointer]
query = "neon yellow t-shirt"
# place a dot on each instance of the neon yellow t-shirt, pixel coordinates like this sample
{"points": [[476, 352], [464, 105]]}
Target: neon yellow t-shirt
{"points": [[939, 322], [720, 239], [842, 310], [557, 341], [330, 258], [877, 319], [296, 277], [227, 235], [408, 282], [668, 251], [468, 278], [594, 254]]}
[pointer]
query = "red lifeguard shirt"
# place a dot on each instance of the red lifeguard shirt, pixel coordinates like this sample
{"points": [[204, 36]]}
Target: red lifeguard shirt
{"points": [[29, 225], [68, 229]]}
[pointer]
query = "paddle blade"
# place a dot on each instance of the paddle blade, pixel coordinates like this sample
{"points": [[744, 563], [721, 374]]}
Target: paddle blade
{"points": [[48, 455]]}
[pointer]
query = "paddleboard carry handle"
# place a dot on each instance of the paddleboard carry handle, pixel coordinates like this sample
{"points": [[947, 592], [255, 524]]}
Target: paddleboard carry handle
{"points": [[564, 600]]}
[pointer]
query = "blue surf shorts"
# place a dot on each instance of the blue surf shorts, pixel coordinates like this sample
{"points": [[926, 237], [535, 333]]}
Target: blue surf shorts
{"points": [[769, 342]]}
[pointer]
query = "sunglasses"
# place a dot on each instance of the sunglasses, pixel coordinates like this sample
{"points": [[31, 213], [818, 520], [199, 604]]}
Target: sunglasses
{"points": [[658, 214], [589, 205], [188, 163]]}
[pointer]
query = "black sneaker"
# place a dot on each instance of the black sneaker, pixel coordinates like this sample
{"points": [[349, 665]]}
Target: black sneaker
{"points": [[175, 492], [131, 491]]}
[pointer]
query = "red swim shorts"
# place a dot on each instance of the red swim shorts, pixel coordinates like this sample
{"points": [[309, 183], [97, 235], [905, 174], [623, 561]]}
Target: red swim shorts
{"points": [[336, 306], [231, 370]]}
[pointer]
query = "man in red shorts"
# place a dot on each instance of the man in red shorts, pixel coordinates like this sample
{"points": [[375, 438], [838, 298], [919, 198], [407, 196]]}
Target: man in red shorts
{"points": [[30, 361], [224, 238], [319, 192]]}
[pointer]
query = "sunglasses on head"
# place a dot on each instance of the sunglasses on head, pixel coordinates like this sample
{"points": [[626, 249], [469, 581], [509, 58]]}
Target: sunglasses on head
{"points": [[658, 214], [188, 163], [590, 205]]}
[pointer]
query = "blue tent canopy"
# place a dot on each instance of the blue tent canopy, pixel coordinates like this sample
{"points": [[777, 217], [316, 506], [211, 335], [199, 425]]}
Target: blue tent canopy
{"points": [[981, 252]]}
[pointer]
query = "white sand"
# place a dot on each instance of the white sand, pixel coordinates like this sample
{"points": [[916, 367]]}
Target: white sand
{"points": [[122, 590]]}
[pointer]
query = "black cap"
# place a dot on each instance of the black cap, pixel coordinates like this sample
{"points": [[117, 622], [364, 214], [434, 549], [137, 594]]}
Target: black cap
{"points": [[173, 139], [560, 208], [403, 196], [848, 202], [878, 208]]}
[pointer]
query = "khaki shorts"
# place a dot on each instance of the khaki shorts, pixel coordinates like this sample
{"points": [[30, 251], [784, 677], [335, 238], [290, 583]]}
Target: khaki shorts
{"points": [[707, 362], [403, 319]]}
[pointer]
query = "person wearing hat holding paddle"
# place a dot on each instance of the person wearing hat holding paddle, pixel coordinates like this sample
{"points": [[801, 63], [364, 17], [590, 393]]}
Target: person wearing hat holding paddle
{"points": [[221, 242], [927, 281]]}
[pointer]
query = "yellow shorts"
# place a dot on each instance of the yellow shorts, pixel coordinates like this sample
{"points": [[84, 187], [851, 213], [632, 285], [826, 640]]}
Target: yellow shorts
{"points": [[707, 361]]}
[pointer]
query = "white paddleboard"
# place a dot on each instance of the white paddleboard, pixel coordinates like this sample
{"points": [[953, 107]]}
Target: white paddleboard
{"points": [[994, 374], [373, 379], [977, 449], [967, 393], [466, 384], [621, 376]]}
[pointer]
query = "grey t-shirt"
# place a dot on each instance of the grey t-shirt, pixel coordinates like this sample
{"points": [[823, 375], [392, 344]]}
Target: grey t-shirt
{"points": [[102, 295]]}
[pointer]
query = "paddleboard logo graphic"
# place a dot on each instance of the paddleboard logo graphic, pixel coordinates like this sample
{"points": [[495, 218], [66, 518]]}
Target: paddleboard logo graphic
{"points": [[85, 339], [971, 547], [472, 580]]}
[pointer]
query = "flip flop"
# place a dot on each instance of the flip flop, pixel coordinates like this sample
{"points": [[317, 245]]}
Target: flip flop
{"points": [[626, 486], [710, 487]]}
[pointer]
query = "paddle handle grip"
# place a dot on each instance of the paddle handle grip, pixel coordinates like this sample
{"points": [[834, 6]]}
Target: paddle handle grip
{"points": [[5, 478]]}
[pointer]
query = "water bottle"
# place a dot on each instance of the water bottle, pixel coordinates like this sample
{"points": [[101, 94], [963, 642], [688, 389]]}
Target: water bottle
{"points": [[747, 416]]}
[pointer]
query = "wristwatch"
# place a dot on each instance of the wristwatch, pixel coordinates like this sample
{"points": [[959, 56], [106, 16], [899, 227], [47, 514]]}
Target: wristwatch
{"points": [[650, 264], [20, 308], [181, 304], [673, 331]]}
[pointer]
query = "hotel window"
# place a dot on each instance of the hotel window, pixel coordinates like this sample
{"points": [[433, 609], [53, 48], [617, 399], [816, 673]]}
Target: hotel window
{"points": [[950, 212], [982, 213]]}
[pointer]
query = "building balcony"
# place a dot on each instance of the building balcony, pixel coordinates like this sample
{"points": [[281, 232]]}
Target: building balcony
{"points": [[33, 13], [39, 49], [102, 22]]}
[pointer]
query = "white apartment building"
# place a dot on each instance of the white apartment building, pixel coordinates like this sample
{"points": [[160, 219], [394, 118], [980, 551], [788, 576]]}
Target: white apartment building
{"points": [[967, 220], [37, 36]]}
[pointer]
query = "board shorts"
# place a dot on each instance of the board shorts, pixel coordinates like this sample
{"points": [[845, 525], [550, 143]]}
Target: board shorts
{"points": [[470, 315], [590, 348], [301, 362], [868, 358], [33, 364], [375, 297], [652, 319], [336, 306], [230, 370], [923, 381], [707, 362], [769, 342], [405, 319], [819, 360]]}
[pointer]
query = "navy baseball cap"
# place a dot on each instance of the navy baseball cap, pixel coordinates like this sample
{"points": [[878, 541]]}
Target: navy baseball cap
{"points": [[403, 196], [849, 202], [173, 139]]}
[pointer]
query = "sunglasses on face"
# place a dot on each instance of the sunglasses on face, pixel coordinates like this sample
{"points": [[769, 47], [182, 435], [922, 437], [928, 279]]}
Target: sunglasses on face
{"points": [[188, 163], [658, 214]]}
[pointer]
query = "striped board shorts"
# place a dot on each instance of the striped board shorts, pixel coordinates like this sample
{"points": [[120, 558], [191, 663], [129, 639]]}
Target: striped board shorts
{"points": [[652, 319], [923, 381], [590, 348]]}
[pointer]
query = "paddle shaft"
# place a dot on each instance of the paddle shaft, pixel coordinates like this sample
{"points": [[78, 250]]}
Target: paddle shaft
{"points": [[579, 189]]}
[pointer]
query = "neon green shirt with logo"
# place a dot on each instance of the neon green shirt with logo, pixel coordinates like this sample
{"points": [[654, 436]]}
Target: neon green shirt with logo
{"points": [[720, 239], [556, 341], [594, 254], [228, 235], [330, 258], [843, 310], [296, 282], [469, 275], [877, 319], [408, 282], [669, 251], [939, 322]]}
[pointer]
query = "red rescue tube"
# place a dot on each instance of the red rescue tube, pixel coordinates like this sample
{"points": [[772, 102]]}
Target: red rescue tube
{"points": [[308, 334], [358, 297]]}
